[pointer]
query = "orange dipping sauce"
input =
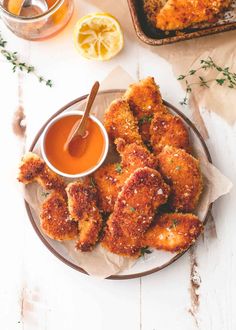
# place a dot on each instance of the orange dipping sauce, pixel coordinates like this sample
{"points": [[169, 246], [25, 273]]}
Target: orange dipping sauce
{"points": [[61, 159]]}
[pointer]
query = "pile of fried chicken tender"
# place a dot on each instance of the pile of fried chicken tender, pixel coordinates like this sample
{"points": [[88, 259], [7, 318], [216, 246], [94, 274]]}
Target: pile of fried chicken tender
{"points": [[145, 200]]}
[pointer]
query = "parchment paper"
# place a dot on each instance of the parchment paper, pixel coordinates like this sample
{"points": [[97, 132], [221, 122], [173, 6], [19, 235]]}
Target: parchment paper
{"points": [[100, 262]]}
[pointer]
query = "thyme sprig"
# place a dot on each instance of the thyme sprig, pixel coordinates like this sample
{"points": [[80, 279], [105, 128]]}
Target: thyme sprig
{"points": [[12, 57], [226, 77]]}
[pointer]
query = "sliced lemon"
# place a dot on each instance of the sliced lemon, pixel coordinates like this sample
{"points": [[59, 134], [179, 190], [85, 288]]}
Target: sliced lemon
{"points": [[98, 36]]}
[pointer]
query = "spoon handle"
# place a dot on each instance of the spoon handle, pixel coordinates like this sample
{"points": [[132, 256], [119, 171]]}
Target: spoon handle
{"points": [[79, 126], [88, 107]]}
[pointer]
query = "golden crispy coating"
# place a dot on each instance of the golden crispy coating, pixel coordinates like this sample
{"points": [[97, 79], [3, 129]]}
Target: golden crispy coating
{"points": [[167, 129], [82, 204], [143, 97], [33, 168], [145, 100], [110, 178], [108, 182], [134, 210], [120, 122], [179, 14], [55, 219], [173, 232], [151, 8], [182, 172], [134, 156]]}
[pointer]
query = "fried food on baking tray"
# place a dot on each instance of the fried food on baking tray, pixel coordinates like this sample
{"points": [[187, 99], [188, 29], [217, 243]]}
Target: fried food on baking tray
{"points": [[134, 210], [111, 177], [151, 8], [55, 218], [33, 168], [167, 129], [145, 100], [179, 14], [173, 232], [82, 204], [182, 172], [120, 122]]}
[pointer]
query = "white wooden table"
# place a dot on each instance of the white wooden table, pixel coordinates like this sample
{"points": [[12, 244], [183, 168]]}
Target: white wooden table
{"points": [[37, 291]]}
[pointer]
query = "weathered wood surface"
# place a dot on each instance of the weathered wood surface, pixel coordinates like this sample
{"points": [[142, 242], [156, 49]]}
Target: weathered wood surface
{"points": [[39, 292]]}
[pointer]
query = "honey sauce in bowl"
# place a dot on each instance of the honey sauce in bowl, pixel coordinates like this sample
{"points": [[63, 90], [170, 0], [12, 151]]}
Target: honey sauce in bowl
{"points": [[94, 146]]}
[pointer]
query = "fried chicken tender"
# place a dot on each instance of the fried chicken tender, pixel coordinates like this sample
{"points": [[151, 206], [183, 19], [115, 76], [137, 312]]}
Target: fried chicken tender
{"points": [[173, 232], [134, 156], [134, 210], [145, 100], [108, 182], [167, 129], [82, 204], [33, 168], [111, 177], [119, 122], [151, 8], [55, 218], [179, 14], [182, 172]]}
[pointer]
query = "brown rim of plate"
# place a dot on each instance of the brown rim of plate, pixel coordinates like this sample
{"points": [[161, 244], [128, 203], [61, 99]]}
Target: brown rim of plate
{"points": [[72, 265]]}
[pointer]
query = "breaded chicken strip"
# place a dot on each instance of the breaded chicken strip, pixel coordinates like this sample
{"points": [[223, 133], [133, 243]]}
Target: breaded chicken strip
{"points": [[145, 100], [108, 182], [55, 219], [173, 232], [110, 178], [134, 210], [33, 168], [167, 129], [134, 156], [119, 122], [179, 14], [182, 172], [82, 204]]}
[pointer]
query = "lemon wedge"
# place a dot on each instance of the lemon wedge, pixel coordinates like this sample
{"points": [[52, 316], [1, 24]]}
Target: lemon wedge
{"points": [[98, 36]]}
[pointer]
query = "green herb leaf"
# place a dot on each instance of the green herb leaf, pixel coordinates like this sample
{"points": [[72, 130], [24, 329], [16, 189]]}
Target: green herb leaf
{"points": [[92, 182], [175, 222], [145, 250], [178, 168], [133, 209], [45, 194], [145, 119], [118, 168], [220, 81]]}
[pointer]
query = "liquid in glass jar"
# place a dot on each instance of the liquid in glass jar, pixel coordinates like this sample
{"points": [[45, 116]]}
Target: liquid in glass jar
{"points": [[35, 22]]}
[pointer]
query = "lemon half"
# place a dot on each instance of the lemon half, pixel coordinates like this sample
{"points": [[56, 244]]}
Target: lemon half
{"points": [[98, 36]]}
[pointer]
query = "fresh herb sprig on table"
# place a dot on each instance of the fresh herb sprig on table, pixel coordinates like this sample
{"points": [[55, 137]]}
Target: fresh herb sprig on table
{"points": [[226, 77], [12, 57]]}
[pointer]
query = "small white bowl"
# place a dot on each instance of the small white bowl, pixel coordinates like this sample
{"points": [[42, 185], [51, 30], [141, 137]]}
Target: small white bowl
{"points": [[91, 170]]}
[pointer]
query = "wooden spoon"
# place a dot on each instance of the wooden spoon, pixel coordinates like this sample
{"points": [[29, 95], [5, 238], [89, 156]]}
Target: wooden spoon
{"points": [[76, 141]]}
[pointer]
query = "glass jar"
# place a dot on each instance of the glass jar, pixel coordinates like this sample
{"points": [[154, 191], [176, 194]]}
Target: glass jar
{"points": [[41, 26]]}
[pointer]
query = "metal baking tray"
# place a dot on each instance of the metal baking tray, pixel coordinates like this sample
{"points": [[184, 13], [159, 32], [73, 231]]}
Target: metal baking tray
{"points": [[226, 21]]}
